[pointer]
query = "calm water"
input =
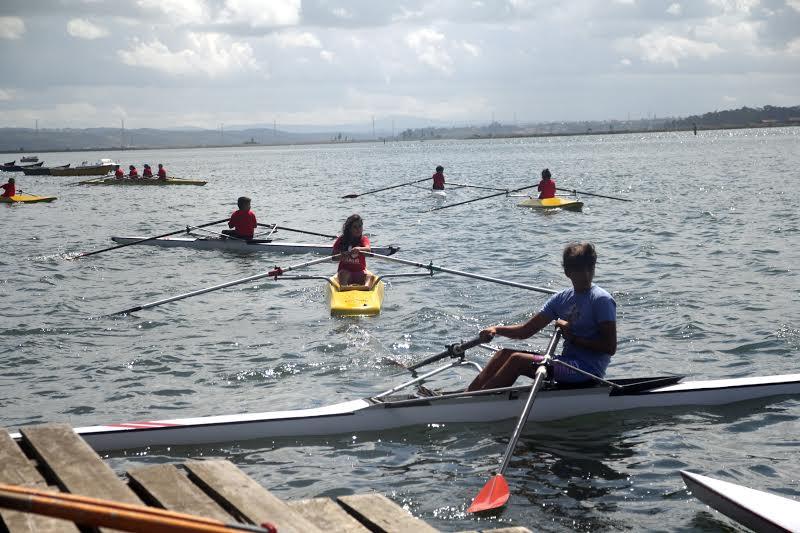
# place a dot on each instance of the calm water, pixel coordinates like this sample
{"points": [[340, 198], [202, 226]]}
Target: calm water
{"points": [[703, 265]]}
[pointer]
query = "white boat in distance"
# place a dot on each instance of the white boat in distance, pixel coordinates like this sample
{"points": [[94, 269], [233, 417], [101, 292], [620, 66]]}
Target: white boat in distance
{"points": [[387, 411], [760, 511], [238, 245]]}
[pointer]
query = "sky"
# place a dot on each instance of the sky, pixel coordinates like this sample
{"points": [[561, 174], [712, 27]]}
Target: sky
{"points": [[203, 63]]}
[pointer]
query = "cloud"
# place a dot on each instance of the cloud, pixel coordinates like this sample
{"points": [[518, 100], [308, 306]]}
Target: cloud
{"points": [[327, 56], [428, 45], [674, 9], [83, 29], [793, 48], [794, 4], [11, 27], [470, 48], [179, 11], [661, 47], [259, 14], [292, 39], [6, 95], [210, 54]]}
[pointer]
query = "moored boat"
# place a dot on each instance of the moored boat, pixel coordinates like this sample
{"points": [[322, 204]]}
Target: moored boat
{"points": [[238, 245], [355, 300], [11, 167], [29, 159], [142, 181], [760, 511], [41, 171], [552, 203], [26, 199], [101, 168]]}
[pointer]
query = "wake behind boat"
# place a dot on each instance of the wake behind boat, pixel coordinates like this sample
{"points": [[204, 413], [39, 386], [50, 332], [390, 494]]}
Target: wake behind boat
{"points": [[239, 245]]}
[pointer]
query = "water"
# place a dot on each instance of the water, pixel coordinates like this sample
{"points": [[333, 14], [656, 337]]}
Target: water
{"points": [[703, 264]]}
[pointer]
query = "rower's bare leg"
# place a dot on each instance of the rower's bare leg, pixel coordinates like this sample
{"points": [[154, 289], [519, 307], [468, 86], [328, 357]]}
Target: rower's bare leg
{"points": [[515, 364], [495, 363], [344, 278]]}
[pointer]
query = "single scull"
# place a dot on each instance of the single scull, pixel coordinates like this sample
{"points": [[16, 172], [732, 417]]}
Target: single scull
{"points": [[238, 245]]}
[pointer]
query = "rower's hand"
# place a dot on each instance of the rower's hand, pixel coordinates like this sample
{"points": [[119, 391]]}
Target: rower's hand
{"points": [[566, 331], [488, 334]]}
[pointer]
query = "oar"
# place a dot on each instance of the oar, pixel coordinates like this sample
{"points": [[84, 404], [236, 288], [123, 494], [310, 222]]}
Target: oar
{"points": [[573, 191], [284, 228], [277, 271], [185, 230], [108, 513], [432, 268], [384, 189], [495, 493], [478, 187], [453, 350], [505, 192]]}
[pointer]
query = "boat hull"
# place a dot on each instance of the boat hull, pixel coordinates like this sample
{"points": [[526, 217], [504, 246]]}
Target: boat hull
{"points": [[552, 203], [383, 414], [93, 170], [236, 245], [41, 171], [26, 199], [355, 302], [143, 181], [760, 511]]}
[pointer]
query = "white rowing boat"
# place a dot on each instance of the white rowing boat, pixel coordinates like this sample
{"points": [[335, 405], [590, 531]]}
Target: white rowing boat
{"points": [[760, 511], [390, 411], [238, 245]]}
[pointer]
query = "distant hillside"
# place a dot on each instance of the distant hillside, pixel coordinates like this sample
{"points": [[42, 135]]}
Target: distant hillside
{"points": [[746, 116]]}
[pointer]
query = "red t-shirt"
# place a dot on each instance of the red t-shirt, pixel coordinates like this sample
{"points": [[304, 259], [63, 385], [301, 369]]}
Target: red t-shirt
{"points": [[547, 189], [438, 181], [352, 264], [9, 190], [134, 173], [244, 222], [147, 173], [119, 173], [162, 172]]}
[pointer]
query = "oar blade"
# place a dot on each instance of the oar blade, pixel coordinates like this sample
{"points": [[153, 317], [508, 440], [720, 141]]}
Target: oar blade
{"points": [[350, 196], [493, 495]]}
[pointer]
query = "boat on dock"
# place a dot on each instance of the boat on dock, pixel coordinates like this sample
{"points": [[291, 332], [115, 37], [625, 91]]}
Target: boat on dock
{"points": [[760, 511], [142, 181], [26, 199], [552, 203], [355, 300], [101, 168], [239, 245], [42, 171]]}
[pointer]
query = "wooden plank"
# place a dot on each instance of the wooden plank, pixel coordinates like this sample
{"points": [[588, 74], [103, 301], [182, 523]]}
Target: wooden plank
{"points": [[241, 496], [327, 515], [74, 465], [379, 513], [165, 486], [16, 469]]}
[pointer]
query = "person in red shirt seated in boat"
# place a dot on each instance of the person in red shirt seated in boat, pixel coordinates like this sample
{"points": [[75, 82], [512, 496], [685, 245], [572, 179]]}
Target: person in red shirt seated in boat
{"points": [[243, 221], [438, 179], [147, 172], [133, 173], [119, 173], [352, 264], [546, 187], [162, 172], [9, 189]]}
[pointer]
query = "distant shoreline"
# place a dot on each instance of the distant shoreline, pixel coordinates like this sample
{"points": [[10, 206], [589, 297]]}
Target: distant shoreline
{"points": [[473, 137]]}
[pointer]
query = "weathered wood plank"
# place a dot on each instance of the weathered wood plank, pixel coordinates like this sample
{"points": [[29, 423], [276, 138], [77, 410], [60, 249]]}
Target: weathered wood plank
{"points": [[379, 513], [327, 515], [16, 469], [165, 486], [74, 465], [241, 496]]}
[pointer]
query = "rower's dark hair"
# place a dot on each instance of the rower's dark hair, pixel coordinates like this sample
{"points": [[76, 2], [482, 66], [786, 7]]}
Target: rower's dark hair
{"points": [[440, 168], [347, 240], [242, 201], [546, 173], [12, 180], [579, 254]]}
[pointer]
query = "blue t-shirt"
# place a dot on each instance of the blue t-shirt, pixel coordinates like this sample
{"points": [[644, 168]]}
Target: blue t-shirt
{"points": [[584, 311]]}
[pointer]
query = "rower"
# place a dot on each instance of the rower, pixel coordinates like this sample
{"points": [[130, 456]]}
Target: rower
{"points": [[547, 186], [133, 173], [147, 172], [352, 263], [162, 172], [586, 315], [438, 179], [243, 221], [9, 189], [119, 173]]}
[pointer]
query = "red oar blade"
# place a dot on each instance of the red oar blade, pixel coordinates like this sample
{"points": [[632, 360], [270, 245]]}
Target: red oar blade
{"points": [[493, 495]]}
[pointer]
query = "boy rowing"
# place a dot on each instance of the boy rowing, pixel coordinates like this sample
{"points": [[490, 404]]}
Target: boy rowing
{"points": [[9, 189], [586, 315], [243, 221]]}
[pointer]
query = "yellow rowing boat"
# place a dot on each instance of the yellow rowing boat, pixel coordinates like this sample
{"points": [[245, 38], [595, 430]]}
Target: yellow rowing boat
{"points": [[552, 203], [355, 300], [26, 199]]}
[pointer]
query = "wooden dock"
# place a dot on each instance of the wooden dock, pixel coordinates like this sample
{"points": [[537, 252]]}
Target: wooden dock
{"points": [[53, 457]]}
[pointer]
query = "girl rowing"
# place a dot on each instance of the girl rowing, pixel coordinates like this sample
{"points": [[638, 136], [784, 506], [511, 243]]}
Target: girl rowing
{"points": [[546, 187], [352, 263], [586, 315]]}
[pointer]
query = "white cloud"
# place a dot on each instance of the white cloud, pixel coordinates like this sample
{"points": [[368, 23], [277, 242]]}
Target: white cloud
{"points": [[11, 27], [326, 55], [179, 11], [729, 99], [342, 13], [625, 62], [674, 9], [211, 54], [794, 4], [293, 39], [6, 95], [793, 48], [83, 29], [470, 48], [258, 13], [661, 47], [428, 45]]}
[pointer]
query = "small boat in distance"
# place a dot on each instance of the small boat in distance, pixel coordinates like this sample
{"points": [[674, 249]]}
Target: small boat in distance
{"points": [[101, 168], [29, 159], [552, 203], [11, 167]]}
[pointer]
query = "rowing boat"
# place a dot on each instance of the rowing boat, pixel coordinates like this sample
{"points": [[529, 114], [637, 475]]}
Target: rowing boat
{"points": [[760, 511], [11, 167], [142, 181], [26, 199], [438, 193], [41, 171], [389, 411], [238, 245], [552, 203], [355, 300], [101, 168], [29, 159]]}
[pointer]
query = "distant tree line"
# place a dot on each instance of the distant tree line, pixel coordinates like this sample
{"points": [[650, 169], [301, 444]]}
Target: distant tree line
{"points": [[745, 116]]}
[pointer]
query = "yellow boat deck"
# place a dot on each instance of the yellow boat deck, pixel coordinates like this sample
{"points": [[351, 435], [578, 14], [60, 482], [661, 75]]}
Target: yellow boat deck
{"points": [[26, 199], [552, 203], [355, 300]]}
